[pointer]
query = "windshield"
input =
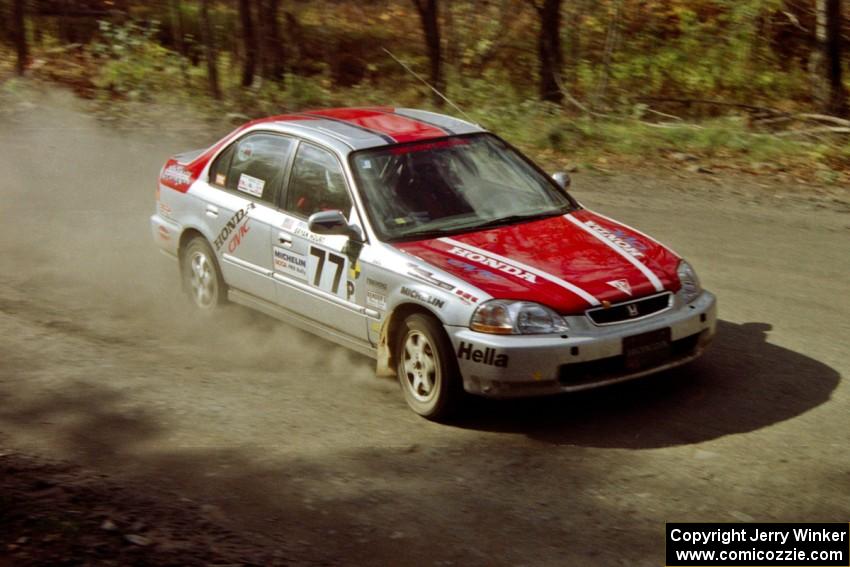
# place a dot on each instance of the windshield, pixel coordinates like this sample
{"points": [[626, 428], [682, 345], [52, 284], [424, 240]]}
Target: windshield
{"points": [[458, 184]]}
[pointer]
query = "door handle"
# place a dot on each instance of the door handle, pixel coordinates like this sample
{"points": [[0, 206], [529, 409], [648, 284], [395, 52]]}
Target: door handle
{"points": [[284, 239], [212, 211]]}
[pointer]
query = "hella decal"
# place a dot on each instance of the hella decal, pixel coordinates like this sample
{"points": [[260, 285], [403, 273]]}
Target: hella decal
{"points": [[614, 238], [231, 226], [430, 300], [487, 356], [493, 263]]}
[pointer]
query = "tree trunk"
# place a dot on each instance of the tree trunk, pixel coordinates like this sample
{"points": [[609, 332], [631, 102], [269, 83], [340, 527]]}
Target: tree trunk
{"points": [[451, 55], [817, 59], [209, 49], [612, 40], [294, 38], [261, 30], [20, 28], [574, 45], [249, 43], [37, 21], [276, 48], [176, 15], [837, 103], [431, 27], [67, 33], [549, 50]]}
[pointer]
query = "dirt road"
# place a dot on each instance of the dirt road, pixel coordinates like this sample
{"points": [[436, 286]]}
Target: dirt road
{"points": [[274, 432]]}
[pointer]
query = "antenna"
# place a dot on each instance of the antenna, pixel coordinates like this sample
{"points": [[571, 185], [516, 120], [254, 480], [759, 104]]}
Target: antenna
{"points": [[427, 84]]}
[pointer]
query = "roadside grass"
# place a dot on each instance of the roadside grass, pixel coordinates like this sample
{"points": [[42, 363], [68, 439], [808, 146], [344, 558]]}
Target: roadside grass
{"points": [[564, 140]]}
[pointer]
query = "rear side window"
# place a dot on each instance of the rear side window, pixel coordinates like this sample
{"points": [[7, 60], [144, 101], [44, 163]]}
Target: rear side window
{"points": [[218, 170], [254, 165], [316, 184]]}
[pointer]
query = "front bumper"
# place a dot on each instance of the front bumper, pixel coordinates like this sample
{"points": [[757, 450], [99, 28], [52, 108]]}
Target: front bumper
{"points": [[586, 356]]}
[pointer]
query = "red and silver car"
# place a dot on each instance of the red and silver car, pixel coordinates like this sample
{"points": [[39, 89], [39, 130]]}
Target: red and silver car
{"points": [[432, 245]]}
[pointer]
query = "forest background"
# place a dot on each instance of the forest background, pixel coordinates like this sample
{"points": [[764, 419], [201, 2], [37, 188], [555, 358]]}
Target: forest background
{"points": [[758, 86]]}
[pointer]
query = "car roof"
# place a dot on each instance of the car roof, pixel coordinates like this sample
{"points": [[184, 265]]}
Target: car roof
{"points": [[369, 127]]}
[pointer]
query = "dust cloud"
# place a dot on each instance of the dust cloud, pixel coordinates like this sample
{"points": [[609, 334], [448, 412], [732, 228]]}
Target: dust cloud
{"points": [[76, 251]]}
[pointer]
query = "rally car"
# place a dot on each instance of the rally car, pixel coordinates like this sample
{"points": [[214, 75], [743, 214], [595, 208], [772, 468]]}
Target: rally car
{"points": [[431, 245]]}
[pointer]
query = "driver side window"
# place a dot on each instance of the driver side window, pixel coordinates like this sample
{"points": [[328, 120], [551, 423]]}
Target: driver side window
{"points": [[316, 184]]}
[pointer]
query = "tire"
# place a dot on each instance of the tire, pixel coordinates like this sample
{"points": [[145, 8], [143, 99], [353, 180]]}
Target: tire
{"points": [[427, 370], [201, 276]]}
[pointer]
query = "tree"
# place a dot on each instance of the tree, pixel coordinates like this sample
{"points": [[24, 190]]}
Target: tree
{"points": [[428, 14], [175, 13], [249, 42], [177, 33], [825, 62], [272, 49], [67, 33], [837, 95], [549, 49], [209, 49], [20, 29]]}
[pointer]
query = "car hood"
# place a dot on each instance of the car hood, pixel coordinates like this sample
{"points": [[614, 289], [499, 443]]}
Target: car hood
{"points": [[569, 262]]}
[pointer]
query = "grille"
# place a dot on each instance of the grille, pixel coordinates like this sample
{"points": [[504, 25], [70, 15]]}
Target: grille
{"points": [[631, 310]]}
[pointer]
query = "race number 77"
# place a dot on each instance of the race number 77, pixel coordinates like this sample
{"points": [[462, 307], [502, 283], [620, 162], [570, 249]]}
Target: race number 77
{"points": [[327, 283]]}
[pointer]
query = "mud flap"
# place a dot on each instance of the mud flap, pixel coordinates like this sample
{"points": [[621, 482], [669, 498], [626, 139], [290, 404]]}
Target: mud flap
{"points": [[384, 366]]}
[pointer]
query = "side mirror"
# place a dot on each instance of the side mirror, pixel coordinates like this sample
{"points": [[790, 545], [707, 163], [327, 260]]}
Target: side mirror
{"points": [[562, 178], [333, 222]]}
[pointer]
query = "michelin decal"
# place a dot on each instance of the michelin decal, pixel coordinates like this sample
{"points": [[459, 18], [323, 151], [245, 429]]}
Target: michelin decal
{"points": [[290, 262]]}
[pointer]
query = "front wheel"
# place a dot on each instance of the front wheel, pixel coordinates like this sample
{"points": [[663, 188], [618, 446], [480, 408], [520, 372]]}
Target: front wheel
{"points": [[201, 277], [426, 368]]}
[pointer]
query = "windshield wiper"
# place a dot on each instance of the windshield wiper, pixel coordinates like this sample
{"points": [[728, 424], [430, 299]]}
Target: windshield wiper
{"points": [[427, 233], [512, 219], [470, 226]]}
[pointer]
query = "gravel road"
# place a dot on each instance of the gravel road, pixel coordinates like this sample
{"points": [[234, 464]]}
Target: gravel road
{"points": [[273, 432]]}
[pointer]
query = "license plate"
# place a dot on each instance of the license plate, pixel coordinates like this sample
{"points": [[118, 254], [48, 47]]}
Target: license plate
{"points": [[647, 349]]}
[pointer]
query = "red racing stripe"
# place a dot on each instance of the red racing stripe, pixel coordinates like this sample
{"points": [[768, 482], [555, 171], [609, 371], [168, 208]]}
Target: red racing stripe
{"points": [[384, 121]]}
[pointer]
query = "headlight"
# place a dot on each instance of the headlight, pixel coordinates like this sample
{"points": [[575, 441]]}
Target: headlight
{"points": [[507, 317], [691, 287]]}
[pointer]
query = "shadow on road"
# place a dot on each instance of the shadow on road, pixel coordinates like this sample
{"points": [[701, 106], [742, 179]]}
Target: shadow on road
{"points": [[742, 383]]}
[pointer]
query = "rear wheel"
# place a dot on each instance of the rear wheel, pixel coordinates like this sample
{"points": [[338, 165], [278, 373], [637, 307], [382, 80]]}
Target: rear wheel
{"points": [[426, 368], [201, 276]]}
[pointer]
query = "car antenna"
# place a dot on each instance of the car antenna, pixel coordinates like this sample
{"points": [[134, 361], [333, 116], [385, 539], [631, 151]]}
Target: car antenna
{"points": [[429, 85]]}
